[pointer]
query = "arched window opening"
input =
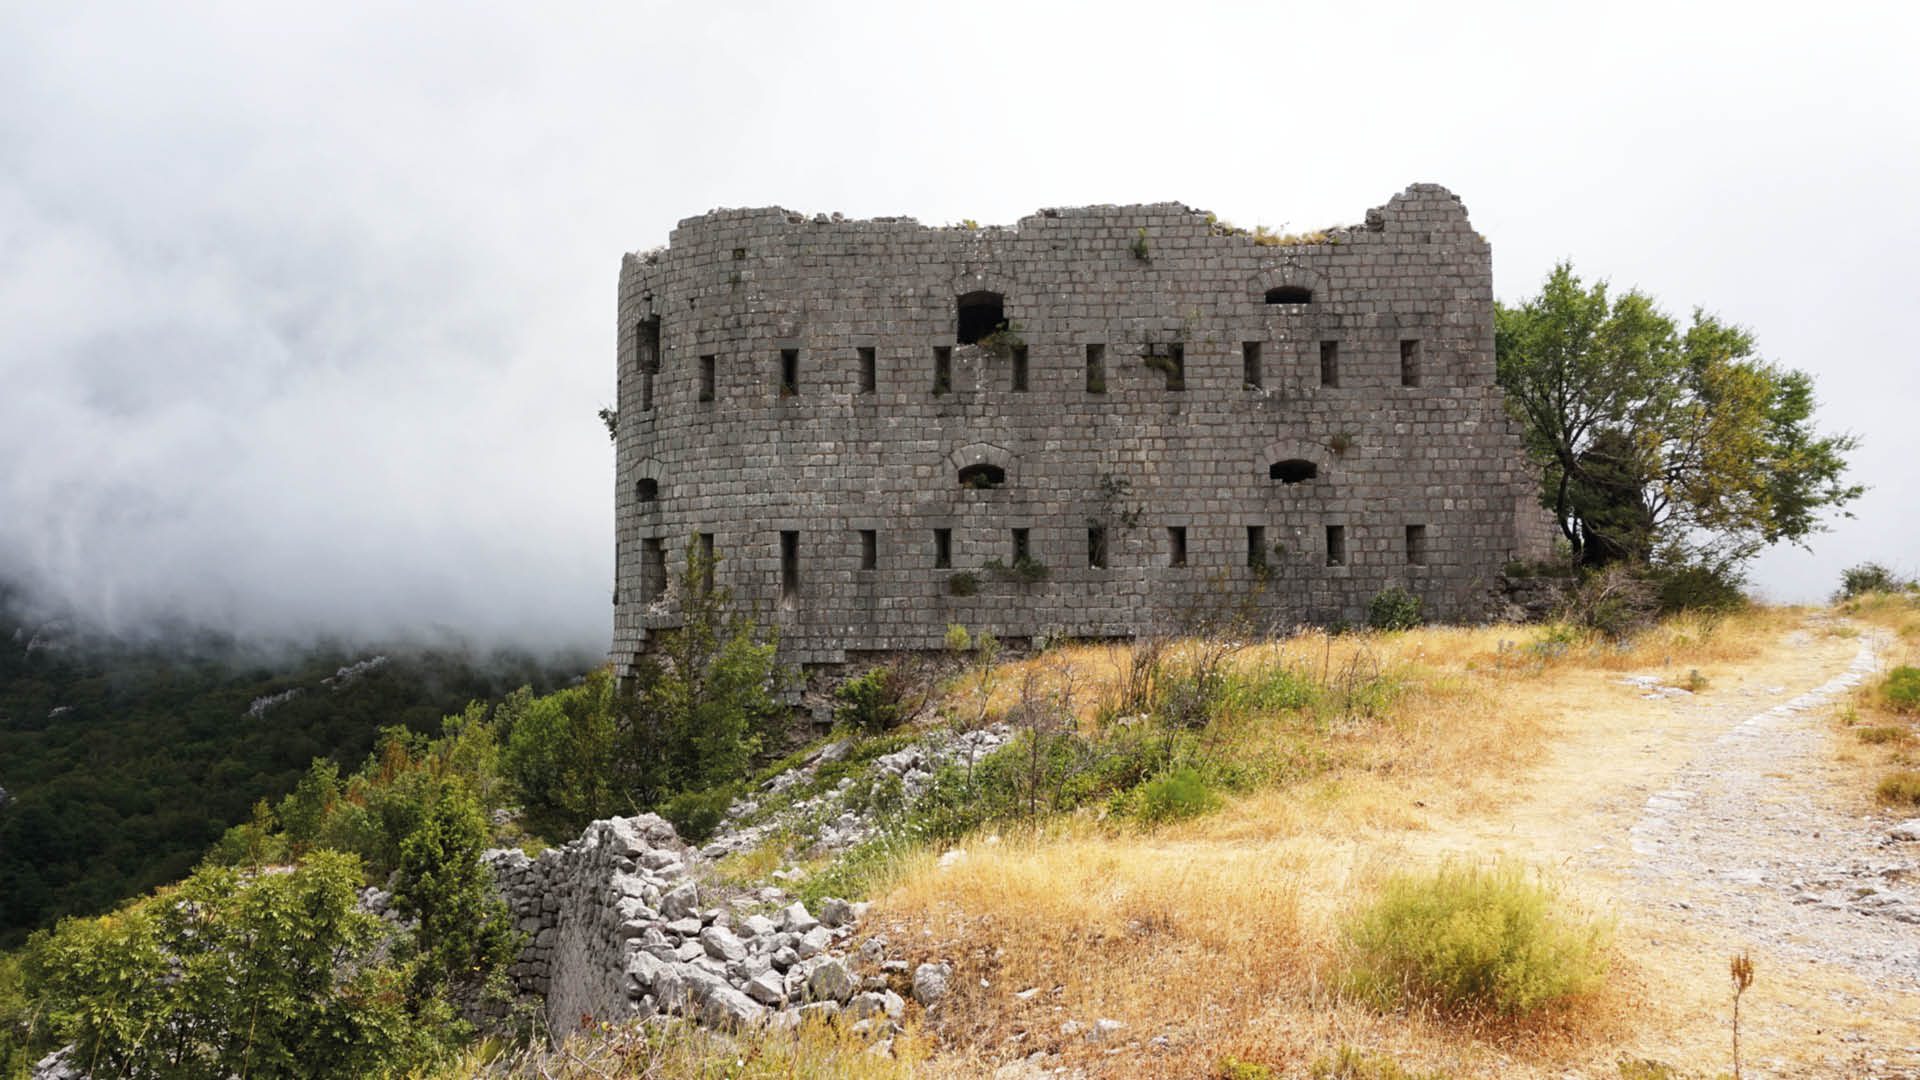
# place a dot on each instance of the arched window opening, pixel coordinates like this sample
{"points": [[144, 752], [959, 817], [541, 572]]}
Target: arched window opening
{"points": [[1290, 294], [1293, 471], [980, 314], [983, 476], [648, 490]]}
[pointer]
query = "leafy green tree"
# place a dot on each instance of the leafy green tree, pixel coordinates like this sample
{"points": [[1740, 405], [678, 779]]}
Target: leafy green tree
{"points": [[564, 753], [1656, 442], [465, 937], [257, 974]]}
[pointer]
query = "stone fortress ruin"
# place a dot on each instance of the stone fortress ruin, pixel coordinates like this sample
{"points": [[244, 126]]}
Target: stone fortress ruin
{"points": [[1089, 424]]}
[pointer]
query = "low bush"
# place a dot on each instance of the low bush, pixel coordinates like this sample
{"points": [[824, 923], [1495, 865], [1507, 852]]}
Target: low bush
{"points": [[872, 703], [1350, 1064], [697, 814], [1394, 608], [1901, 690], [1616, 602], [1472, 939], [1900, 787], [1698, 588], [1870, 577], [1878, 735], [1173, 795]]}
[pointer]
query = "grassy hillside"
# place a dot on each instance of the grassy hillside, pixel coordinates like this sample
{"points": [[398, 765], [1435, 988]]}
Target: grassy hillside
{"points": [[123, 762]]}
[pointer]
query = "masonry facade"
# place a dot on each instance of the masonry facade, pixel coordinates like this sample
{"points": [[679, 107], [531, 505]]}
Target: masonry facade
{"points": [[1093, 423]]}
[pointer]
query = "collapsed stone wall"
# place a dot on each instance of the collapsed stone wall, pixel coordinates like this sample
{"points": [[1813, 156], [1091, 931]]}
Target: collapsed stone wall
{"points": [[1179, 415]]}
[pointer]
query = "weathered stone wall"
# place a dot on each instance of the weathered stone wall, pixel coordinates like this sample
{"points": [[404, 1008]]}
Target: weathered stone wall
{"points": [[721, 447]]}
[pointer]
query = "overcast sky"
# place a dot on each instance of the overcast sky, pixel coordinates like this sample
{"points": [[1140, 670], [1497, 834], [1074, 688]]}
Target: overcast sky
{"points": [[304, 318]]}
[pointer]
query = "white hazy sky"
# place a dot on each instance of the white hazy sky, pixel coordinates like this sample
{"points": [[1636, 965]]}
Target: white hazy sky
{"points": [[304, 317]]}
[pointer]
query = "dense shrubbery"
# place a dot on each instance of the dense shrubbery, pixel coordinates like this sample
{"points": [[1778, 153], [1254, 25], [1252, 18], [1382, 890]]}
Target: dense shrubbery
{"points": [[1470, 939], [1393, 608], [1871, 577], [872, 703]]}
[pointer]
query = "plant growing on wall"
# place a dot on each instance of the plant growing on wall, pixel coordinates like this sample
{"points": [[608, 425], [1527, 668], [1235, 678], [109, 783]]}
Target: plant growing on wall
{"points": [[1139, 247], [1003, 340], [1025, 570]]}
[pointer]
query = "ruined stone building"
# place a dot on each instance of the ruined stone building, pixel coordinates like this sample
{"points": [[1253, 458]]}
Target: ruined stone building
{"points": [[1096, 421]]}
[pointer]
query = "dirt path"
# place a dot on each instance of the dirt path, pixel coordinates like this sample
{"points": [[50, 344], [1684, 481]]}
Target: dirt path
{"points": [[1715, 822]]}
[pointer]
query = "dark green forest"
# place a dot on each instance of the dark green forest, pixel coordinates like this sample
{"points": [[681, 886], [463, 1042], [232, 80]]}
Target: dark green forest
{"points": [[122, 762]]}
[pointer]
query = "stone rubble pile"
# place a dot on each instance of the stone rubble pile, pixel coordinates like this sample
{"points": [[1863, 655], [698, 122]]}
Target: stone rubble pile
{"points": [[825, 816], [619, 926]]}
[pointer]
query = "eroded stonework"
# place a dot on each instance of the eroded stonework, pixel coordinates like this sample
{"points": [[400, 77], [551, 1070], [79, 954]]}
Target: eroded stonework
{"points": [[1173, 416]]}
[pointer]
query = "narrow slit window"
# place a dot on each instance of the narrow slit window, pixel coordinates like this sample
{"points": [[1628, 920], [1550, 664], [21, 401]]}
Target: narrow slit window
{"points": [[869, 549], [1330, 363], [1410, 362], [1417, 545], [1256, 546], [789, 568], [1176, 545], [942, 369], [1250, 365], [1097, 547], [703, 543], [789, 372], [653, 568], [1021, 550], [869, 370], [706, 378], [943, 549], [1019, 372], [1096, 369], [647, 346], [1336, 545]]}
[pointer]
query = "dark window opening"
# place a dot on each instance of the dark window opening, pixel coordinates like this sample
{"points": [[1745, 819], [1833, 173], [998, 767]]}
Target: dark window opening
{"points": [[1250, 364], [1096, 369], [979, 314], [982, 477], [1020, 369], [943, 549], [1256, 546], [1329, 363], [1417, 545], [1176, 545], [1410, 362], [739, 253], [1336, 545], [653, 568], [703, 543], [1097, 547], [789, 568], [942, 369], [789, 372], [869, 549], [647, 346], [1021, 551], [706, 378], [647, 490], [1290, 294], [869, 370], [1292, 471]]}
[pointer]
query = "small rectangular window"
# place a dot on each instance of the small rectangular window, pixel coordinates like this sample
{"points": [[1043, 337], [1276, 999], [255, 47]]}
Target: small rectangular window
{"points": [[1250, 364], [789, 372], [1020, 549], [789, 568], [1097, 547], [1096, 369], [1020, 369], [943, 549], [647, 346], [706, 378], [703, 542], [1336, 545], [1330, 363], [1417, 545], [1176, 545], [869, 370], [1410, 362], [942, 369], [653, 568], [869, 549], [1256, 546]]}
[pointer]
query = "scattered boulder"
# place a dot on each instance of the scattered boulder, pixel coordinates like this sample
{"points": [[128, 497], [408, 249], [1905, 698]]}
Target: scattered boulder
{"points": [[1906, 830], [830, 981], [930, 982]]}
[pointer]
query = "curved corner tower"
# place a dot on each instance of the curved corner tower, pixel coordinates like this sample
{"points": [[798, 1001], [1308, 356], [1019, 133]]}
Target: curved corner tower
{"points": [[1090, 424]]}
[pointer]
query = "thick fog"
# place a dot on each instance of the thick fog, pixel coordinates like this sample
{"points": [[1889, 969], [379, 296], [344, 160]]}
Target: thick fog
{"points": [[304, 319]]}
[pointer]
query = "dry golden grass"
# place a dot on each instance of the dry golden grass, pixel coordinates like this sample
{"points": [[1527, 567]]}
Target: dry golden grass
{"points": [[1219, 933]]}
